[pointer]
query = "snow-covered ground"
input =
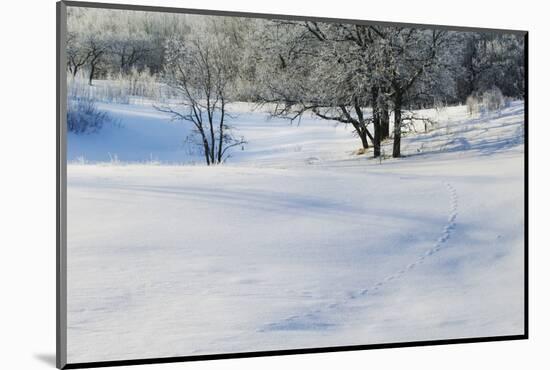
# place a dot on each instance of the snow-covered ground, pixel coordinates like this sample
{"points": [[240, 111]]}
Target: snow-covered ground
{"points": [[295, 242]]}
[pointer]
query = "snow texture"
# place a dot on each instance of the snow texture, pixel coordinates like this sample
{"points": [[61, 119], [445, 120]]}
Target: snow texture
{"points": [[295, 242]]}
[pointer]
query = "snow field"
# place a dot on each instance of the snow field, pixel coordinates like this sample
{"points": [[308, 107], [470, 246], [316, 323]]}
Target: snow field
{"points": [[295, 242]]}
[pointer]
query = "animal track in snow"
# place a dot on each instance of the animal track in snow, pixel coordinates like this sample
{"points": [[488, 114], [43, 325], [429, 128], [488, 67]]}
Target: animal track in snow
{"points": [[305, 322], [436, 247]]}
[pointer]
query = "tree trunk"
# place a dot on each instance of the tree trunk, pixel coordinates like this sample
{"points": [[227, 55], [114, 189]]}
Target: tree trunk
{"points": [[96, 58], [376, 122], [92, 71], [220, 139], [384, 115], [210, 112], [205, 145], [363, 136], [397, 125], [384, 122], [206, 149], [212, 140], [360, 125], [364, 141]]}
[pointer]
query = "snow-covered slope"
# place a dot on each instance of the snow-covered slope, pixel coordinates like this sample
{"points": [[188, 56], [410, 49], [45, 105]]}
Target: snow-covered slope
{"points": [[295, 242]]}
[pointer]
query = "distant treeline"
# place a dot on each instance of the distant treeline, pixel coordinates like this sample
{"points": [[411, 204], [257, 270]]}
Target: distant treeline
{"points": [[355, 74]]}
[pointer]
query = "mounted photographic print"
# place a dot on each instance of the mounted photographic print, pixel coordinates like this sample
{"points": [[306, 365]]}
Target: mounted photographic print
{"points": [[234, 184]]}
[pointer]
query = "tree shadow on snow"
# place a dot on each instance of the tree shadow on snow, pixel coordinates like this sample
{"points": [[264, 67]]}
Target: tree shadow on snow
{"points": [[483, 139]]}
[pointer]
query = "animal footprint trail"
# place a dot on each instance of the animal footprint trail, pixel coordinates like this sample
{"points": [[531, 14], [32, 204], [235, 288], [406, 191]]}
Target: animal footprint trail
{"points": [[312, 319], [436, 247]]}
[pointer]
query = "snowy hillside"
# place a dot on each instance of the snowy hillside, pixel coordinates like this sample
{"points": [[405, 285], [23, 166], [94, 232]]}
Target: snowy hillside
{"points": [[296, 241]]}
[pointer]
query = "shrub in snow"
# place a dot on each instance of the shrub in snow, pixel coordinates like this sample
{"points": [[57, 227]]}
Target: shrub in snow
{"points": [[508, 101], [439, 105], [120, 88], [472, 103], [493, 100], [490, 101], [84, 117], [144, 84], [113, 91], [132, 87]]}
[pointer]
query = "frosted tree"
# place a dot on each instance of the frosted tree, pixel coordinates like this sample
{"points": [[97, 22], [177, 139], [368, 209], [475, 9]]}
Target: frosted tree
{"points": [[135, 37], [408, 55], [338, 70], [77, 54], [130, 51], [202, 68], [355, 74], [490, 59], [103, 42], [314, 67], [87, 43]]}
